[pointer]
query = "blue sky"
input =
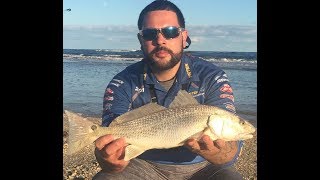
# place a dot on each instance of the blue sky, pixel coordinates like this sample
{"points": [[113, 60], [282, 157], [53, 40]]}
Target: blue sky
{"points": [[213, 25]]}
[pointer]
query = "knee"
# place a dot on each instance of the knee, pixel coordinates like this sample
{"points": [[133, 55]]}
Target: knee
{"points": [[227, 174], [99, 176]]}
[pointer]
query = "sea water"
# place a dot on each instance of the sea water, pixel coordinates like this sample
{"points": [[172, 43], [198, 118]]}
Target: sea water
{"points": [[87, 72]]}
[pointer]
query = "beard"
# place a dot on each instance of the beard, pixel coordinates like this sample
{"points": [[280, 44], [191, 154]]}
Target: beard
{"points": [[159, 66]]}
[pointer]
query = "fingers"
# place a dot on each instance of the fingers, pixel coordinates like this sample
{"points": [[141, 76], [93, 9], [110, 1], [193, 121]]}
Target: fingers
{"points": [[219, 143], [206, 143], [192, 145], [109, 147], [120, 153], [110, 153], [115, 146], [103, 140]]}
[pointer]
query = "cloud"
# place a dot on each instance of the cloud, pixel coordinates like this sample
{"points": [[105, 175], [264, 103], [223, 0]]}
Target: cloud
{"points": [[227, 30], [100, 37], [222, 38]]}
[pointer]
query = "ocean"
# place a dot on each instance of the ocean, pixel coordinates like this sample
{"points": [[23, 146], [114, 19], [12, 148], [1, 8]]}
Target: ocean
{"points": [[87, 72]]}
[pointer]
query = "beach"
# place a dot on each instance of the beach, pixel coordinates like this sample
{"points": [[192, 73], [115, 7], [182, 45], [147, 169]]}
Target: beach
{"points": [[86, 73], [83, 165]]}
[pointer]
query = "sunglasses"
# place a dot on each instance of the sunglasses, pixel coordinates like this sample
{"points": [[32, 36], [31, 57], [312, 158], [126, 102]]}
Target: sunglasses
{"points": [[169, 32]]}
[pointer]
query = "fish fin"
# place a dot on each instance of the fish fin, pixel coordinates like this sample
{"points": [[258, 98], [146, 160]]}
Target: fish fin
{"points": [[132, 151], [183, 98], [198, 135], [195, 136], [80, 132], [137, 113], [208, 132]]}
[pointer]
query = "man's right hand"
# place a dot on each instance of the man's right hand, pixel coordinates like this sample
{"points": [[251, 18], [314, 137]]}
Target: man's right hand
{"points": [[110, 152]]}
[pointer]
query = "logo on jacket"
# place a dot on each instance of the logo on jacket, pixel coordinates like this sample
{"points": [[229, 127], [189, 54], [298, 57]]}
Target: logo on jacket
{"points": [[139, 90], [227, 96], [222, 78], [118, 81], [107, 106], [109, 91], [230, 106], [226, 88], [188, 71], [109, 98]]}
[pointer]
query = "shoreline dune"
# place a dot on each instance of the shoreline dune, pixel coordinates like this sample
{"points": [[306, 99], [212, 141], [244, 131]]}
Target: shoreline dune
{"points": [[83, 164]]}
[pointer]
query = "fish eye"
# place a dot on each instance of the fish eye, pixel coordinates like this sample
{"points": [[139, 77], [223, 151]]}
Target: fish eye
{"points": [[93, 127]]}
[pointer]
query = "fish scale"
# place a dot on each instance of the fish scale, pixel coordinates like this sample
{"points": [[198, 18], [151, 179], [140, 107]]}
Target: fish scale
{"points": [[155, 127], [171, 121]]}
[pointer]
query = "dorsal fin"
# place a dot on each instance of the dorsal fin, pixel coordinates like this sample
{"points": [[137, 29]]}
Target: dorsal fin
{"points": [[183, 98], [137, 113]]}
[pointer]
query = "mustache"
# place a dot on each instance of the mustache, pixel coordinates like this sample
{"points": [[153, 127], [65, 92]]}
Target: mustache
{"points": [[161, 48]]}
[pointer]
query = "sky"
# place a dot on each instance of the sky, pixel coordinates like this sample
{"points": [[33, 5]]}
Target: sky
{"points": [[213, 25]]}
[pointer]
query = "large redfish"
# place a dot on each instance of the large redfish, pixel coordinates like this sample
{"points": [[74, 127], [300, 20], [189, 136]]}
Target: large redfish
{"points": [[155, 127]]}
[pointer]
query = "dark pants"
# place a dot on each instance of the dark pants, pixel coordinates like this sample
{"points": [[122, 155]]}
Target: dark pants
{"points": [[139, 169]]}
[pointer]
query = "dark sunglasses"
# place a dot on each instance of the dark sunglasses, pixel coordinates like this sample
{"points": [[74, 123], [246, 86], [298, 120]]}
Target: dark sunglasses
{"points": [[169, 32]]}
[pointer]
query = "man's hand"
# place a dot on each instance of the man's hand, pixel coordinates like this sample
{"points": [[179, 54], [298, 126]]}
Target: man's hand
{"points": [[110, 153], [216, 152]]}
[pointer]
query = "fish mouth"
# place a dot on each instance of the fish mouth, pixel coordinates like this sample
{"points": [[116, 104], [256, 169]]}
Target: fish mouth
{"points": [[244, 136]]}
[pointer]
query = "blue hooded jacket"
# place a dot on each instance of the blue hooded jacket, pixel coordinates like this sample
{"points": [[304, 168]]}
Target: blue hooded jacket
{"points": [[136, 86]]}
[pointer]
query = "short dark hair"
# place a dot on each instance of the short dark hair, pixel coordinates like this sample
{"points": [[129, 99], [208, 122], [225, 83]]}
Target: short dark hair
{"points": [[161, 5]]}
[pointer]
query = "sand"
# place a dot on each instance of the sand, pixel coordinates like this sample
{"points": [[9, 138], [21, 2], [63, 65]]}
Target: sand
{"points": [[83, 165]]}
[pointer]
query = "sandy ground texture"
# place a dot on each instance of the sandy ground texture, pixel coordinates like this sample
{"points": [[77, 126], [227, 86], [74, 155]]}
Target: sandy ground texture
{"points": [[83, 165]]}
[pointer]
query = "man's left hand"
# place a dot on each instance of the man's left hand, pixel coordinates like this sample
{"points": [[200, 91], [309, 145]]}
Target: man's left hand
{"points": [[216, 152]]}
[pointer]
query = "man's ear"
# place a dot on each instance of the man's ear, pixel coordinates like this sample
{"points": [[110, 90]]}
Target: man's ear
{"points": [[185, 36]]}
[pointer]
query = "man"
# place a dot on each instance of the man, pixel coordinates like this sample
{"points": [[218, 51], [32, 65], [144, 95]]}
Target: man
{"points": [[164, 71]]}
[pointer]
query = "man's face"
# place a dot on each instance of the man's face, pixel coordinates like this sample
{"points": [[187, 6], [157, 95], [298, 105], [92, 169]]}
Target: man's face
{"points": [[162, 53]]}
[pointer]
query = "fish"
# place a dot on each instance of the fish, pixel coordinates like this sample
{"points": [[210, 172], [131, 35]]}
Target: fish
{"points": [[153, 126]]}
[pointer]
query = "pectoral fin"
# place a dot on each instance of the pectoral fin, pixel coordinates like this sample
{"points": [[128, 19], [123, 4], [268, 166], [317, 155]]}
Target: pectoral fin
{"points": [[196, 136], [132, 151], [208, 132]]}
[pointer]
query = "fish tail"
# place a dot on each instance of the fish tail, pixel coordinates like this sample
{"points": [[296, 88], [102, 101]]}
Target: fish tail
{"points": [[81, 132]]}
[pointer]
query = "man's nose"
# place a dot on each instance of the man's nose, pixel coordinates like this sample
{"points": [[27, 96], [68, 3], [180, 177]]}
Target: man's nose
{"points": [[160, 38]]}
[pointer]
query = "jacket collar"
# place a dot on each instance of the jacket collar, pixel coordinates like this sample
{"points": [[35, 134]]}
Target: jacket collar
{"points": [[185, 74]]}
